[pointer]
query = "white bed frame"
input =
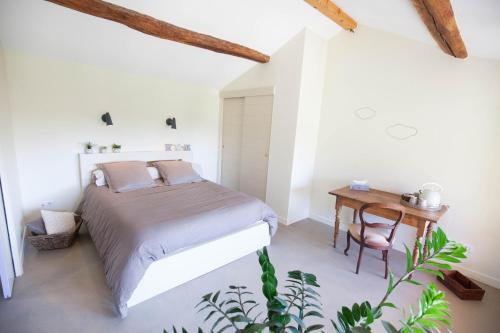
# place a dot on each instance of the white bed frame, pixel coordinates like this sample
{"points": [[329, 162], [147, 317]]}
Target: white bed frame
{"points": [[190, 263]]}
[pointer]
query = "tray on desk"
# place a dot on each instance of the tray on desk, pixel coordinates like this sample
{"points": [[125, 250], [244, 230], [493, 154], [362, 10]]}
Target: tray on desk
{"points": [[429, 209]]}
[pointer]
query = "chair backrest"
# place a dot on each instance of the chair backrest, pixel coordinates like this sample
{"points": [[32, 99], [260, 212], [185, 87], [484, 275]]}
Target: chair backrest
{"points": [[397, 208]]}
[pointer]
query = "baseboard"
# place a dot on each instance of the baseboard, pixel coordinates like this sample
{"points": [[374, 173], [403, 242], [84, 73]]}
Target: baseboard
{"points": [[287, 221], [481, 277], [328, 221], [283, 220], [320, 218]]}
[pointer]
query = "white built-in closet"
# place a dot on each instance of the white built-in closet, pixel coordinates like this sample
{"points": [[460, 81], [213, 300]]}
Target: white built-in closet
{"points": [[246, 131]]}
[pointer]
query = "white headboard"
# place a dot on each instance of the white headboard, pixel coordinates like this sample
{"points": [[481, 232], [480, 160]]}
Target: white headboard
{"points": [[88, 162]]}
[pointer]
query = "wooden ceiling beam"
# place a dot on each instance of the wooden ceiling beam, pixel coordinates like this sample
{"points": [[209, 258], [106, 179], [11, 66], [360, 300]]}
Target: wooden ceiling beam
{"points": [[439, 18], [332, 11], [157, 28]]}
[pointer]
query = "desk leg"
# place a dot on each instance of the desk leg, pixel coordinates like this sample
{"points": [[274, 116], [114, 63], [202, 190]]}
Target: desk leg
{"points": [[420, 233], [338, 208], [355, 216], [428, 235]]}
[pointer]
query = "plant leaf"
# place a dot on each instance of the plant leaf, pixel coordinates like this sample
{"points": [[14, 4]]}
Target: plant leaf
{"points": [[389, 327], [314, 328], [356, 312], [346, 312], [409, 259]]}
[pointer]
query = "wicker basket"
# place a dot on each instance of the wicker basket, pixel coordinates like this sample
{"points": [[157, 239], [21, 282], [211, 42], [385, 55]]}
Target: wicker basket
{"points": [[55, 241]]}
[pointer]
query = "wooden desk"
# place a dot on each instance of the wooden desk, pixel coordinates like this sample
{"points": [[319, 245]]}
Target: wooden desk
{"points": [[421, 219]]}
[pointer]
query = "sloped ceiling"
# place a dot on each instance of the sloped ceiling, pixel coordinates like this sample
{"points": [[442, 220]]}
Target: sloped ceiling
{"points": [[478, 21], [40, 27], [265, 25]]}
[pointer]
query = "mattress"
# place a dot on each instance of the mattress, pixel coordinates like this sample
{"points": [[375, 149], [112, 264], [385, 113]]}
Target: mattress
{"points": [[133, 229]]}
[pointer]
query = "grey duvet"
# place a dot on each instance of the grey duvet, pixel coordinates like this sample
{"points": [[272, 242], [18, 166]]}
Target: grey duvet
{"points": [[133, 229]]}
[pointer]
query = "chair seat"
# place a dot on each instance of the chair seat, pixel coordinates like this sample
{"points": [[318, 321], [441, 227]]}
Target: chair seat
{"points": [[373, 236]]}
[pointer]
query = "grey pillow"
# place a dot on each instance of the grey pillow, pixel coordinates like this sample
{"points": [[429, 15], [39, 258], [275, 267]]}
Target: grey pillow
{"points": [[127, 176], [177, 172], [37, 227]]}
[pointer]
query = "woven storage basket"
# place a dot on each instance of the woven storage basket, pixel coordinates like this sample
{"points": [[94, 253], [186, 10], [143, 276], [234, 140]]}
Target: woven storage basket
{"points": [[55, 241]]}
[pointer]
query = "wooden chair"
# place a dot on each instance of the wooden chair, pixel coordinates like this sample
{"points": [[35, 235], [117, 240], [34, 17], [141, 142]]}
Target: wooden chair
{"points": [[377, 236]]}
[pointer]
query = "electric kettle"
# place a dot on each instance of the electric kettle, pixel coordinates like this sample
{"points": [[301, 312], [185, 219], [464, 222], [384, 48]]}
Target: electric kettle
{"points": [[431, 193]]}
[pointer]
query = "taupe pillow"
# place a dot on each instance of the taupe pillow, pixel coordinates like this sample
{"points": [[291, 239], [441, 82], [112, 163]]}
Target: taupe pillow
{"points": [[127, 176], [177, 172]]}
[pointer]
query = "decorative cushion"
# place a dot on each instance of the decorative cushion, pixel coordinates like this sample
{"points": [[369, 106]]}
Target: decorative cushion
{"points": [[373, 236], [37, 227], [177, 172], [98, 178], [127, 176], [58, 222], [153, 172]]}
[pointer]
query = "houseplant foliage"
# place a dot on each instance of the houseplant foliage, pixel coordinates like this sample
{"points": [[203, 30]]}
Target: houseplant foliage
{"points": [[89, 147], [116, 147], [297, 309]]}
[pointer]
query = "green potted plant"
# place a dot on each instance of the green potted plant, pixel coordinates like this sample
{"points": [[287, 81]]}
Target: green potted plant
{"points": [[89, 147], [116, 148], [297, 309]]}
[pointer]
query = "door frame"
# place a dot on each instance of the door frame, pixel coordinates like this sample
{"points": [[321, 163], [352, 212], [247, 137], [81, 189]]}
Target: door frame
{"points": [[262, 91], [7, 294], [16, 247]]}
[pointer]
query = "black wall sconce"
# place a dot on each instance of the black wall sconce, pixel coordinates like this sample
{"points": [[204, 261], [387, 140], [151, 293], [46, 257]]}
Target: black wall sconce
{"points": [[171, 122], [107, 119]]}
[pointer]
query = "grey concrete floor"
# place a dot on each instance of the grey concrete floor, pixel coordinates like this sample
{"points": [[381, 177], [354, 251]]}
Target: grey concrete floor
{"points": [[65, 290]]}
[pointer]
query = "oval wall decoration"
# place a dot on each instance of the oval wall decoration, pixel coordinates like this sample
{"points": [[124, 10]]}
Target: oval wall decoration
{"points": [[401, 131], [365, 113]]}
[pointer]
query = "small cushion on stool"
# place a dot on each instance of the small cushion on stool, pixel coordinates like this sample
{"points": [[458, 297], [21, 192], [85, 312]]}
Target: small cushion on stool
{"points": [[373, 236]]}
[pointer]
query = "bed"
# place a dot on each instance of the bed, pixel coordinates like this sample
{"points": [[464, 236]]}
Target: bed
{"points": [[154, 239]]}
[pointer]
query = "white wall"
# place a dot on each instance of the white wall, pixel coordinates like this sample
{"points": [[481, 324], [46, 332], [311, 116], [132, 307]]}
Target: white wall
{"points": [[296, 72], [454, 104], [284, 73], [306, 133], [56, 107], [8, 172]]}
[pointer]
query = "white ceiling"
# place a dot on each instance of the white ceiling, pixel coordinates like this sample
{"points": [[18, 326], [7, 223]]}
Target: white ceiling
{"points": [[478, 21], [44, 28]]}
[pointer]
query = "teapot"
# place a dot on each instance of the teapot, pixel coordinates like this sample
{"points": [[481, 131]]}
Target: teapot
{"points": [[431, 193]]}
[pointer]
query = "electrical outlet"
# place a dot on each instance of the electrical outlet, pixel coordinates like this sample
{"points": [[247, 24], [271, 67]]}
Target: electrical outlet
{"points": [[46, 204]]}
